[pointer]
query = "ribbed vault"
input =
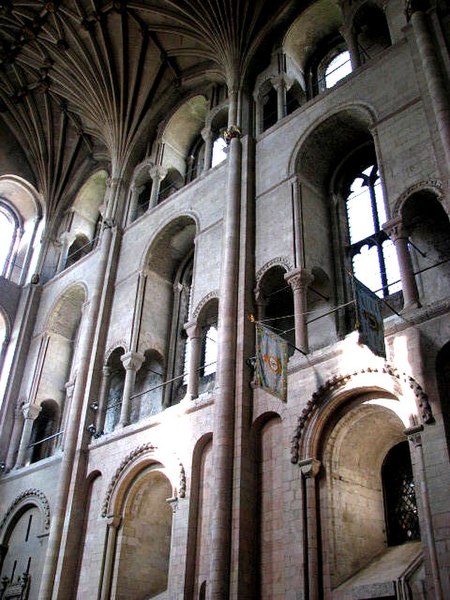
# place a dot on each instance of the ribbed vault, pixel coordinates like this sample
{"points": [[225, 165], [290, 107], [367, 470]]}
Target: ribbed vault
{"points": [[80, 77]]}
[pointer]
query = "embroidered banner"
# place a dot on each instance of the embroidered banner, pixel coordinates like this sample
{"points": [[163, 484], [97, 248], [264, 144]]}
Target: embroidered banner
{"points": [[370, 321], [271, 362]]}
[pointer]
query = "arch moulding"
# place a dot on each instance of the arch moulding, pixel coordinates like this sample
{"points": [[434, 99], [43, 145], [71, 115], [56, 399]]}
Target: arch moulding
{"points": [[279, 261], [399, 383], [429, 185], [203, 302], [30, 497], [136, 461]]}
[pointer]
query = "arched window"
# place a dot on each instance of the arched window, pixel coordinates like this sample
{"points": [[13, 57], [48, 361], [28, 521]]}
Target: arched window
{"points": [[402, 520], [219, 152], [329, 64], [372, 253], [79, 248], [371, 30], [45, 425], [10, 234], [116, 385], [276, 305], [336, 69]]}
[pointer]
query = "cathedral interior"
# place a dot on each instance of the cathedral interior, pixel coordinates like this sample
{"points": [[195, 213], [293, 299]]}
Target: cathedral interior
{"points": [[181, 182]]}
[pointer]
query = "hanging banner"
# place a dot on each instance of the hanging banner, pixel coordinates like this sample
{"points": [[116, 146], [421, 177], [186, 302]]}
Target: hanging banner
{"points": [[271, 362], [370, 321]]}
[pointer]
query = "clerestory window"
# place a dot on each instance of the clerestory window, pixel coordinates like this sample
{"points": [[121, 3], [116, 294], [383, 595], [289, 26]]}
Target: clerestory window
{"points": [[372, 253]]}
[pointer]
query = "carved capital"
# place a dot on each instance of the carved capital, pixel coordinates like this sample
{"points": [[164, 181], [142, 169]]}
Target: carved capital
{"points": [[299, 279], [132, 361], [31, 411], [309, 467], [414, 435], [395, 229], [193, 330], [157, 172], [232, 132]]}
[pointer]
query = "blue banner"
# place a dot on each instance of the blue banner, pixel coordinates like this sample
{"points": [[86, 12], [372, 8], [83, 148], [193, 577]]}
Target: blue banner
{"points": [[271, 362], [370, 320]]}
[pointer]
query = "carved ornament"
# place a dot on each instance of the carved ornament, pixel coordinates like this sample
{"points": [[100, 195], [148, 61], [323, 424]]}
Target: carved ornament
{"points": [[338, 381], [31, 496]]}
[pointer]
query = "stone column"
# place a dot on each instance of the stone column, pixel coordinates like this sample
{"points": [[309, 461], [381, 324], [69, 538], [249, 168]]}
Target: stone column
{"points": [[91, 323], [113, 524], [258, 114], [415, 440], [299, 279], [157, 174], [30, 412], [309, 469], [102, 398], [224, 407], [432, 72], [135, 192], [207, 135], [70, 386], [15, 437], [29, 253], [194, 332], [66, 240], [351, 39], [396, 231], [280, 86], [132, 361]]}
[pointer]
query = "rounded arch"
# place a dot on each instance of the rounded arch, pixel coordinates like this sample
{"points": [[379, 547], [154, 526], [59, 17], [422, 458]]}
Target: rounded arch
{"points": [[137, 461], [26, 499], [404, 396], [281, 261], [65, 313], [353, 121], [433, 186], [169, 230]]}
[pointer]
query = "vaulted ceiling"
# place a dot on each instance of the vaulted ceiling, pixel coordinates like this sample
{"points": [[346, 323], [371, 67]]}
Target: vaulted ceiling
{"points": [[80, 79]]}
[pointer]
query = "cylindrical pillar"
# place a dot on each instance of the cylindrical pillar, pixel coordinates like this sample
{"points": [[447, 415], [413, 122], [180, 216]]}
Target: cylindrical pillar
{"points": [[194, 332], [310, 468], [432, 72], [351, 39], [224, 408], [415, 440], [135, 192], [102, 398], [108, 565], [73, 423], [15, 438], [30, 412], [396, 231], [280, 87], [157, 174], [207, 135], [132, 361], [299, 279]]}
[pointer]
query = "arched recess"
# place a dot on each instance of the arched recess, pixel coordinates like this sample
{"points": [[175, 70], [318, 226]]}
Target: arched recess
{"points": [[79, 226], [371, 31], [170, 271], [116, 382], [345, 438], [198, 543], [23, 541], [22, 206], [269, 525], [139, 524], [148, 394], [274, 301], [54, 368], [427, 225], [208, 322], [313, 41], [340, 185]]}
